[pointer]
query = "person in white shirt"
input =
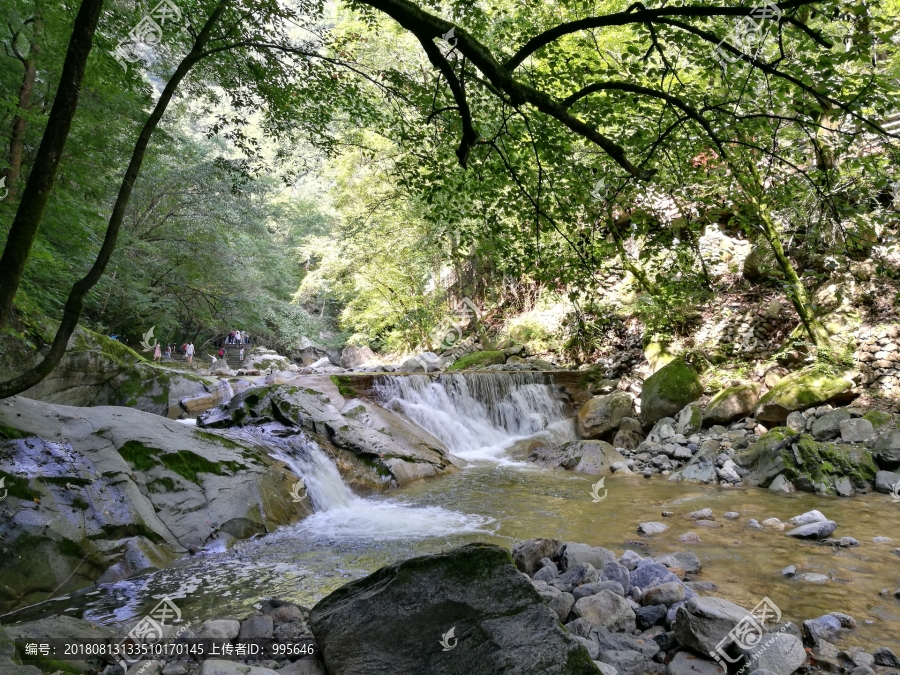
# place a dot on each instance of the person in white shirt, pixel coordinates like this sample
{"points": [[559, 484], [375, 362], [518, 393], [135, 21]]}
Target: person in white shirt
{"points": [[190, 352]]}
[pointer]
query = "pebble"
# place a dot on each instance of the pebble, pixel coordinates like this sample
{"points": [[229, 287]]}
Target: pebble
{"points": [[789, 571], [882, 540], [690, 537], [702, 514], [813, 578], [731, 515], [773, 524]]}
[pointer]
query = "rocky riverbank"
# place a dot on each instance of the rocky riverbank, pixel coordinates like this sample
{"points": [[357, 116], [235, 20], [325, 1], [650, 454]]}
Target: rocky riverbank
{"points": [[546, 607]]}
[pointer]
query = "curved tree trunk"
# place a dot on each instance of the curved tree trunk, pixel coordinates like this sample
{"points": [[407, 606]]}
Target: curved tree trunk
{"points": [[75, 301], [43, 172]]}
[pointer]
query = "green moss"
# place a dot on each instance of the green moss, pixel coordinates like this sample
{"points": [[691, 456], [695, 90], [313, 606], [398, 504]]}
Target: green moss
{"points": [[479, 359], [139, 455], [878, 418], [9, 432], [126, 531], [70, 548], [218, 440], [80, 504], [804, 389], [188, 465], [819, 463], [163, 484], [579, 662], [343, 382], [678, 381], [18, 487]]}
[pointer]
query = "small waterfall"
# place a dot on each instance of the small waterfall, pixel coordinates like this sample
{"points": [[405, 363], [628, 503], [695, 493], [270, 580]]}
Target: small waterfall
{"points": [[477, 415], [340, 514], [226, 393]]}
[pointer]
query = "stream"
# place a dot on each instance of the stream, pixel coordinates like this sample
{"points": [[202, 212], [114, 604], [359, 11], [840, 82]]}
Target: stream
{"points": [[500, 498]]}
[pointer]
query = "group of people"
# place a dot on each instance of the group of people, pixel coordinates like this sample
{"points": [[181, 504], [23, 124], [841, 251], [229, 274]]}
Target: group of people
{"points": [[186, 349], [235, 337]]}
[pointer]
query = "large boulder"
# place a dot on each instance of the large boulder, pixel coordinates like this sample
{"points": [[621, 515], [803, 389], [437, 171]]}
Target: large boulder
{"points": [[887, 450], [669, 390], [353, 357], [590, 457], [380, 443], [702, 622], [602, 414], [777, 653], [608, 610], [260, 358], [801, 390], [732, 403], [528, 554], [117, 491], [479, 359], [465, 611], [809, 465]]}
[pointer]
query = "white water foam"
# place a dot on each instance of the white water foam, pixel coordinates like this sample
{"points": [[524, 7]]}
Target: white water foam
{"points": [[479, 415], [341, 515]]}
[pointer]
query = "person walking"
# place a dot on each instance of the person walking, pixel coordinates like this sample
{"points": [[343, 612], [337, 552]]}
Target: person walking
{"points": [[168, 351], [157, 353], [184, 348], [190, 352], [241, 354], [231, 338]]}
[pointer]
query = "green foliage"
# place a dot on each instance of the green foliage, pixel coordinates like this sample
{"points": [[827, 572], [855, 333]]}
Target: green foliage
{"points": [[478, 359]]}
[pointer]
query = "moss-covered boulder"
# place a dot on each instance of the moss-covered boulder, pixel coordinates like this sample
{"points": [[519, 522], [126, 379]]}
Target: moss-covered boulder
{"points": [[689, 420], [878, 418], [801, 390], [465, 611], [479, 360], [732, 403], [811, 466], [603, 414], [668, 390]]}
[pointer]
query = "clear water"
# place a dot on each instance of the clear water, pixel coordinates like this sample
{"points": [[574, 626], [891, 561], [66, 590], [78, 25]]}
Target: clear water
{"points": [[500, 498]]}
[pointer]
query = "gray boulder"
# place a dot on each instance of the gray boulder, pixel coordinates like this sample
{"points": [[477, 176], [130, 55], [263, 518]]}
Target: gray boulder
{"points": [[885, 481], [393, 621], [576, 575], [887, 450], [572, 554], [856, 430], [606, 609], [669, 390], [690, 419], [732, 403], [664, 594], [818, 530], [602, 414], [779, 653], [702, 622], [686, 663], [828, 426], [353, 357], [625, 662], [529, 553], [613, 571], [590, 457]]}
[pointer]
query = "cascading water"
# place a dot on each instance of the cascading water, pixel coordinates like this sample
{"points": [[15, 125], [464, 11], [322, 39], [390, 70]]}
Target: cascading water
{"points": [[226, 393], [340, 514], [478, 415]]}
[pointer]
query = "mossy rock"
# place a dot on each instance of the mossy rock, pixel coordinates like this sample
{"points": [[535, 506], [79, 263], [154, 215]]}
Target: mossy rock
{"points": [[669, 390], [658, 355], [802, 390], [479, 359], [732, 403], [878, 418]]}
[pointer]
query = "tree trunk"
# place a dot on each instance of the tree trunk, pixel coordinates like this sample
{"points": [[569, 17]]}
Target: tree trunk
{"points": [[75, 301], [43, 172], [17, 139]]}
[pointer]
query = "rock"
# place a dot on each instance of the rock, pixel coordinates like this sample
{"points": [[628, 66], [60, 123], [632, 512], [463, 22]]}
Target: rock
{"points": [[885, 657], [606, 609], [602, 414], [605, 668], [669, 390], [887, 450], [58, 627], [547, 574], [592, 648], [701, 623], [878, 418], [732, 515], [732, 403], [487, 358], [664, 594], [597, 586], [579, 627], [500, 621], [781, 484], [613, 571], [813, 516], [303, 667], [609, 641], [259, 627], [813, 578], [802, 390], [629, 435], [630, 560], [528, 554], [686, 663], [647, 617], [781, 653], [626, 662], [576, 575], [885, 481], [828, 426], [761, 265], [572, 554], [652, 527], [796, 422], [843, 487], [818, 530], [856, 430], [789, 571], [690, 419], [823, 628], [690, 537], [702, 514], [353, 357], [224, 629], [562, 604], [686, 560], [590, 457]]}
